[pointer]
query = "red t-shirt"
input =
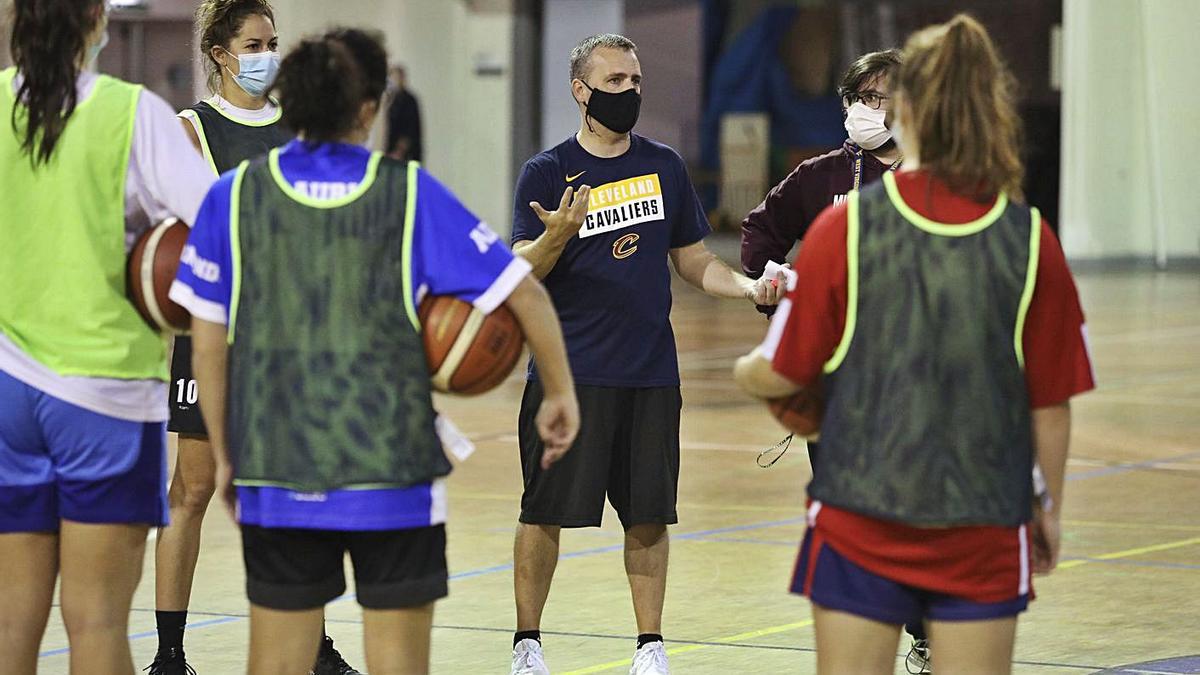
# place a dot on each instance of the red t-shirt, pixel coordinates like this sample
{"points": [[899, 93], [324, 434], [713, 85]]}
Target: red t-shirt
{"points": [[806, 332]]}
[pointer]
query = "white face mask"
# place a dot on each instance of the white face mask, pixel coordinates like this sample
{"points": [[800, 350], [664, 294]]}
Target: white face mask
{"points": [[865, 126]]}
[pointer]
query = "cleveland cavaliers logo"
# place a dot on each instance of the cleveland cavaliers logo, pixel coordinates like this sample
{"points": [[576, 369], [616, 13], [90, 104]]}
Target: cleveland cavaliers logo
{"points": [[625, 246]]}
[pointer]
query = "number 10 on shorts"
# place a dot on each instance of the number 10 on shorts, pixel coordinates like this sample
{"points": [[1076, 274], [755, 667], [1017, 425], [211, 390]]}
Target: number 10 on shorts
{"points": [[186, 391]]}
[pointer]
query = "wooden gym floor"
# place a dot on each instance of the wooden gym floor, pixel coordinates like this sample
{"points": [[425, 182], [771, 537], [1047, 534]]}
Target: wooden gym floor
{"points": [[1125, 593]]}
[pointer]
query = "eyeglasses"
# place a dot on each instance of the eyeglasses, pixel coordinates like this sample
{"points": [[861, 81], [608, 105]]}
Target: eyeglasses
{"points": [[871, 99]]}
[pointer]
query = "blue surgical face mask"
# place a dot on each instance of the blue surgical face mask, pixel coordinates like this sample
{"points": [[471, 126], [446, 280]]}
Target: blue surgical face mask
{"points": [[256, 72], [93, 52]]}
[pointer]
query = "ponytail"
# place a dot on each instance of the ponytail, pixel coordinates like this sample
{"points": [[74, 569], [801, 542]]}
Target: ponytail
{"points": [[47, 44], [961, 110], [324, 81]]}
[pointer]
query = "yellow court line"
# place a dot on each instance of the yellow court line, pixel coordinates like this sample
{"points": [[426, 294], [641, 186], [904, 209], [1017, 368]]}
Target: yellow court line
{"points": [[1131, 526], [801, 624], [764, 631], [1127, 553], [611, 665]]}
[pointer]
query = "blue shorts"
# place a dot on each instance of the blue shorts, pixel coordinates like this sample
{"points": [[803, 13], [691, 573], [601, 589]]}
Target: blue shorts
{"points": [[834, 582], [62, 462]]}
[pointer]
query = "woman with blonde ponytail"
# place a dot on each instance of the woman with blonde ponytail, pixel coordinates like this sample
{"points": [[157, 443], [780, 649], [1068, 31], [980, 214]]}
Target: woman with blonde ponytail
{"points": [[936, 311]]}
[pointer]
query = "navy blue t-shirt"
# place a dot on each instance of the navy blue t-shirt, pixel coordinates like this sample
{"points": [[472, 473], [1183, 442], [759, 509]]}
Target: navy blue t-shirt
{"points": [[612, 285]]}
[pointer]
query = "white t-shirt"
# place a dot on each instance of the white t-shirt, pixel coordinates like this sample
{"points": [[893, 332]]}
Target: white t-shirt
{"points": [[166, 177]]}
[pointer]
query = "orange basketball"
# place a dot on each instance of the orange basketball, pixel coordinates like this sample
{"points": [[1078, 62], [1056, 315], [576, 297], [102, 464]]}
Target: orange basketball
{"points": [[799, 413], [469, 352], [151, 269]]}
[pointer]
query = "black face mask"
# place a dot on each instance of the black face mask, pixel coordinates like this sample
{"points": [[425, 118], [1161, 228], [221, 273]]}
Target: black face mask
{"points": [[618, 112]]}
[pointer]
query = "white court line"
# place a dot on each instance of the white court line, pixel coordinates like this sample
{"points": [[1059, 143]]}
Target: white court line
{"points": [[684, 445], [1156, 401], [750, 447], [1146, 335]]}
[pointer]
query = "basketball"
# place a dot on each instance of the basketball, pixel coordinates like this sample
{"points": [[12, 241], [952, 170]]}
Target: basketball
{"points": [[799, 413], [152, 265], [469, 352]]}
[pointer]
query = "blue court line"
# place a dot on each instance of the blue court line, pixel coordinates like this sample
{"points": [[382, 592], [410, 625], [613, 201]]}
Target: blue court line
{"points": [[626, 638], [741, 528], [609, 549], [1132, 466], [1122, 468], [151, 633], [618, 547], [764, 542], [484, 571]]}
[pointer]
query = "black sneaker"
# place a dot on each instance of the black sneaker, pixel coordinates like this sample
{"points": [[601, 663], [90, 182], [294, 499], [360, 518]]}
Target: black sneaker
{"points": [[917, 662], [330, 662], [170, 661]]}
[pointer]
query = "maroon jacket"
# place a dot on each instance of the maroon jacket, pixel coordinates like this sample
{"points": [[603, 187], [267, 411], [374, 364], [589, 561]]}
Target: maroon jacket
{"points": [[771, 230]]}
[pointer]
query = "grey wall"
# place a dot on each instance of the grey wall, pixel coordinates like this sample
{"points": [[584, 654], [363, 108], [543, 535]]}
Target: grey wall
{"points": [[668, 36], [1130, 130], [564, 24]]}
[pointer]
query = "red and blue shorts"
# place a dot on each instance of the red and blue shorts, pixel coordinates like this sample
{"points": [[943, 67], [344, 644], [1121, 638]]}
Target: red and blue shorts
{"points": [[834, 581]]}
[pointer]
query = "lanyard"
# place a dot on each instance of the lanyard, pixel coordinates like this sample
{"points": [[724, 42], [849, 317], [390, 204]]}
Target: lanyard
{"points": [[858, 160]]}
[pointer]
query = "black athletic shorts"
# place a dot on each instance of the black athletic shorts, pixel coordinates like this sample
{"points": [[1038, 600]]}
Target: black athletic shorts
{"points": [[185, 399], [295, 569], [627, 448]]}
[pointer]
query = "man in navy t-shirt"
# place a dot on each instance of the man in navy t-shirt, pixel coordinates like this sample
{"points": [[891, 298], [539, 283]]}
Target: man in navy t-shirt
{"points": [[625, 204]]}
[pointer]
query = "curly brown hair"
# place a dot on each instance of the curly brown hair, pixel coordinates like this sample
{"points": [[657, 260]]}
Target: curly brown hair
{"points": [[959, 105], [325, 80], [218, 22]]}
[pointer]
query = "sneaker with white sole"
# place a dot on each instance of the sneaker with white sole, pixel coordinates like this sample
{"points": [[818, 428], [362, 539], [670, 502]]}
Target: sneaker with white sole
{"points": [[650, 659], [527, 658], [917, 662]]}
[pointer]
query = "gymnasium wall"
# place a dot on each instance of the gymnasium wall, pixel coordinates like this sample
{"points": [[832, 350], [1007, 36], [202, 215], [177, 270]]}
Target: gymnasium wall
{"points": [[1130, 100], [1130, 130], [669, 35], [564, 24], [458, 57]]}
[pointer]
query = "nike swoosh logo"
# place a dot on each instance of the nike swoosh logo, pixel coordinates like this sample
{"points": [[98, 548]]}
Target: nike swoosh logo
{"points": [[571, 178]]}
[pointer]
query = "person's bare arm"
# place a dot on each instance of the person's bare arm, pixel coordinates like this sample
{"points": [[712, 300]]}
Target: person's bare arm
{"points": [[561, 225], [209, 353], [754, 374], [701, 268], [191, 134], [1051, 441], [558, 417]]}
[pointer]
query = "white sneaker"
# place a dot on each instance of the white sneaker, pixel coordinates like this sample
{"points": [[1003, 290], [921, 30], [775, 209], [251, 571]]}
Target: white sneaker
{"points": [[650, 659], [917, 662], [528, 658]]}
